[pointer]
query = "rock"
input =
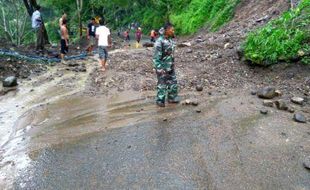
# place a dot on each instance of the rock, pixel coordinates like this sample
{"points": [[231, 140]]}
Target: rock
{"points": [[199, 40], [195, 103], [187, 102], [278, 93], [291, 110], [199, 88], [10, 82], [263, 19], [268, 103], [297, 100], [82, 68], [228, 46], [165, 119], [148, 44], [264, 111], [72, 64], [198, 111], [185, 44], [281, 105], [189, 51], [298, 117], [267, 92], [253, 92], [306, 163]]}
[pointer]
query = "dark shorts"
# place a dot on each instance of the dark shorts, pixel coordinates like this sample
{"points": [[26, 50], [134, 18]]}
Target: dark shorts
{"points": [[64, 47], [103, 53]]}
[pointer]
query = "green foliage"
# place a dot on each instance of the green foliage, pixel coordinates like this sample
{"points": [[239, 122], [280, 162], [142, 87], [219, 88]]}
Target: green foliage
{"points": [[199, 13], [187, 15], [283, 39]]}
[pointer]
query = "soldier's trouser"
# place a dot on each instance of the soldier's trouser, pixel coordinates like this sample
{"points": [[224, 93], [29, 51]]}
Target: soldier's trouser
{"points": [[167, 84]]}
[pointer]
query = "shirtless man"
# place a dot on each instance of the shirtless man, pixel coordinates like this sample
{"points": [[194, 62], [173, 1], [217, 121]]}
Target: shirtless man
{"points": [[64, 40], [63, 17]]}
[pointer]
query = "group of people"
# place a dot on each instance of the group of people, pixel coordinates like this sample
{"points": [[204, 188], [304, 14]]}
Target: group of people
{"points": [[163, 59]]}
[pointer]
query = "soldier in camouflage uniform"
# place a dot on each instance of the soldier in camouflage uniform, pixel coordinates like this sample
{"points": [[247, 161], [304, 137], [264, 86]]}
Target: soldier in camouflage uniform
{"points": [[163, 62]]}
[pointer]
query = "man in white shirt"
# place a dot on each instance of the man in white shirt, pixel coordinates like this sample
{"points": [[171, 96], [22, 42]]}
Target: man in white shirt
{"points": [[104, 40], [36, 22]]}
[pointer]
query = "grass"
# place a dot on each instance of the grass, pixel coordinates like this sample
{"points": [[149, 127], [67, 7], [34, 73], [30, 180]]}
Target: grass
{"points": [[284, 39]]}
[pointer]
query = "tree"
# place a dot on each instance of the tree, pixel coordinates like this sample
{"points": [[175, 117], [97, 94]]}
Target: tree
{"points": [[79, 7], [13, 20]]}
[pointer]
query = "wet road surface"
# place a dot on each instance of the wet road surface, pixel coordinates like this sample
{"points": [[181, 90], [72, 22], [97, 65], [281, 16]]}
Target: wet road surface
{"points": [[58, 138], [131, 144]]}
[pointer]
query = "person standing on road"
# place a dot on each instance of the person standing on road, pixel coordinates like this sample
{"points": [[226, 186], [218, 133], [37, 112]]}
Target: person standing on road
{"points": [[64, 42], [91, 35], [104, 41], [163, 62], [37, 25], [153, 36], [138, 37]]}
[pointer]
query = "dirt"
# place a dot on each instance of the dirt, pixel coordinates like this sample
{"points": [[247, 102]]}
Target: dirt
{"points": [[96, 102]]}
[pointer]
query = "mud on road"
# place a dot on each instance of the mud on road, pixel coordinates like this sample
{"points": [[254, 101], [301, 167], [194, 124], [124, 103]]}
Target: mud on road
{"points": [[70, 128]]}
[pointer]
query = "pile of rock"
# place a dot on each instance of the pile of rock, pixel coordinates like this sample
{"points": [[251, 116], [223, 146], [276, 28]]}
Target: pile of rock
{"points": [[269, 93]]}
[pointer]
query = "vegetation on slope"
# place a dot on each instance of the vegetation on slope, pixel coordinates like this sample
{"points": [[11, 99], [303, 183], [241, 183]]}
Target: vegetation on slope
{"points": [[284, 39]]}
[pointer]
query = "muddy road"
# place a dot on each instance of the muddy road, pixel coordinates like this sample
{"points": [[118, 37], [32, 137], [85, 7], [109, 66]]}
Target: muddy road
{"points": [[57, 133], [75, 127]]}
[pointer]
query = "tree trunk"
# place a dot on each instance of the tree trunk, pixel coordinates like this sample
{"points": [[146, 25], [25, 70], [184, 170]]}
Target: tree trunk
{"points": [[30, 6], [79, 7]]}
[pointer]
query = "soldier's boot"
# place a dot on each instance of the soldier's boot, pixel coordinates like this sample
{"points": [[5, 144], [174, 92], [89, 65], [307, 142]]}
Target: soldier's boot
{"points": [[173, 97], [161, 95], [160, 103]]}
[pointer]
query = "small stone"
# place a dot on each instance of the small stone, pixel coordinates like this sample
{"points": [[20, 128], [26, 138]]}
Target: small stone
{"points": [[253, 92], [281, 105], [278, 93], [10, 82], [267, 93], [228, 46], [165, 119], [268, 103], [210, 93], [291, 110], [199, 88], [195, 103], [297, 100], [298, 117], [264, 111], [187, 102], [306, 163], [198, 111], [189, 51]]}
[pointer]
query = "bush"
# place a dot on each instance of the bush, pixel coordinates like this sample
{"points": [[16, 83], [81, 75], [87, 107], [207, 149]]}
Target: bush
{"points": [[199, 13], [283, 39]]}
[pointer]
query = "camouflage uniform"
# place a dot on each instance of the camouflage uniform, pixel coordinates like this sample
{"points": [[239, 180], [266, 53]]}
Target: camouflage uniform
{"points": [[163, 60]]}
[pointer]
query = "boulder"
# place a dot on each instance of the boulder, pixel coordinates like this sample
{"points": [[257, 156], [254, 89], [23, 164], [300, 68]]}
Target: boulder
{"points": [[228, 46], [297, 100], [148, 44], [281, 105], [199, 88], [306, 163], [268, 103], [185, 44], [9, 82], [267, 93], [300, 118], [264, 111]]}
